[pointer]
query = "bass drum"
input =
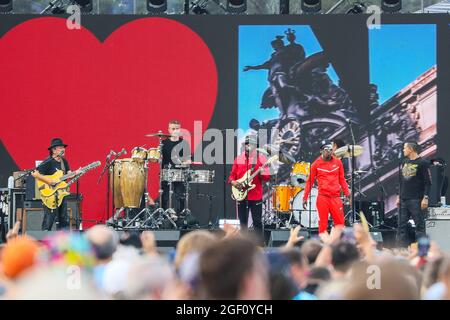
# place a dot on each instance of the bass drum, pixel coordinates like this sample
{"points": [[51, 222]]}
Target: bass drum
{"points": [[301, 215], [282, 196]]}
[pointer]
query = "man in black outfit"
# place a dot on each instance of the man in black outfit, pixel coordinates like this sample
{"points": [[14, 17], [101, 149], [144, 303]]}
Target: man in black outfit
{"points": [[337, 144], [57, 162], [175, 151], [415, 185]]}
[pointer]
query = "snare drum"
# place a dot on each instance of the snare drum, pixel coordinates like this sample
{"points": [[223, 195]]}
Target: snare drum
{"points": [[282, 197], [202, 176], [299, 174], [139, 153], [173, 175], [153, 154]]}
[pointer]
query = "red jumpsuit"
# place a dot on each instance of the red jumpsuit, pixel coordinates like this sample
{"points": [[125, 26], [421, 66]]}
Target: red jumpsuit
{"points": [[330, 180]]}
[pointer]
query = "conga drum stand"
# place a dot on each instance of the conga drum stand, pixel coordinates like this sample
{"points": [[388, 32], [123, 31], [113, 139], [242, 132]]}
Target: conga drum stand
{"points": [[146, 209]]}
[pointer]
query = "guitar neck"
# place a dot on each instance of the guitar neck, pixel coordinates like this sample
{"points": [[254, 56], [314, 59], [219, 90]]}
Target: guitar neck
{"points": [[67, 176], [83, 171], [75, 179], [254, 174]]}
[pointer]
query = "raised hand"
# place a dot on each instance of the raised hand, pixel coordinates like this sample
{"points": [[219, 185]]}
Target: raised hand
{"points": [[293, 237]]}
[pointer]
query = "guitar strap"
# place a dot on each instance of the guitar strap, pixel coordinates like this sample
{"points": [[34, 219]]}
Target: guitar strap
{"points": [[63, 167]]}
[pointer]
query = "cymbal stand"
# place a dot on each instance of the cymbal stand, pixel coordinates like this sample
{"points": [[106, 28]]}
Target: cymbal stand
{"points": [[170, 211], [162, 214], [187, 180]]}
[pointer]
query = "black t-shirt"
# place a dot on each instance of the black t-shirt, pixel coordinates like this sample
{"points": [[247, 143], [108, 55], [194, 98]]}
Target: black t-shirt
{"points": [[415, 179], [174, 152], [51, 166]]}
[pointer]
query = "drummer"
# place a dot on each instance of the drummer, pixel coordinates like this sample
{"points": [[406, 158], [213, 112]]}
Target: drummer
{"points": [[337, 144], [175, 152]]}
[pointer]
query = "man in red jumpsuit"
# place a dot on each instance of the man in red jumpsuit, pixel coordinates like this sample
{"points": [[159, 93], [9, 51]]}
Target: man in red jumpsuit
{"points": [[250, 159], [329, 172]]}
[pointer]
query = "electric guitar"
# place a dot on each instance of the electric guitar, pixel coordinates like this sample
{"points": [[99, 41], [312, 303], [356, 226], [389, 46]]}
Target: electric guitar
{"points": [[52, 196], [246, 180]]}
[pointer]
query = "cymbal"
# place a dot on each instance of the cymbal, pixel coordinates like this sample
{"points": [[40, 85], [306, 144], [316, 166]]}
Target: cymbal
{"points": [[284, 156], [159, 135], [346, 151]]}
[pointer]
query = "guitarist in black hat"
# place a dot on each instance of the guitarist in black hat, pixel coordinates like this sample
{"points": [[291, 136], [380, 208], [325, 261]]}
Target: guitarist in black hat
{"points": [[252, 160], [57, 162]]}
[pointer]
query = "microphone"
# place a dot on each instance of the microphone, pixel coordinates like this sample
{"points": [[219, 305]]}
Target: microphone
{"points": [[110, 154], [349, 121], [60, 155], [123, 151]]}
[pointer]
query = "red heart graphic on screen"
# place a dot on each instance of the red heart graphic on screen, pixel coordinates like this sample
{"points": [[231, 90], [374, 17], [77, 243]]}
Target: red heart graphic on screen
{"points": [[99, 96]]}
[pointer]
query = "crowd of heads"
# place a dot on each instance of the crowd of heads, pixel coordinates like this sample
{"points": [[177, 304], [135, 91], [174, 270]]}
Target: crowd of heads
{"points": [[226, 264]]}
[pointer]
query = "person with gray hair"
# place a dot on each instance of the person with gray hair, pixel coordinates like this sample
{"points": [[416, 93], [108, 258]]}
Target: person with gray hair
{"points": [[148, 278], [104, 242]]}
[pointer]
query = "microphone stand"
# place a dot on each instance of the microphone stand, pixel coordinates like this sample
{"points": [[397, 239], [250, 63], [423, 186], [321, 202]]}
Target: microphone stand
{"points": [[353, 171], [309, 199], [105, 168], [400, 162], [224, 176], [28, 172]]}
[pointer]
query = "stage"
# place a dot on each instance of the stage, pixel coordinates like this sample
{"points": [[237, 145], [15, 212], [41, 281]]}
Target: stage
{"points": [[166, 240]]}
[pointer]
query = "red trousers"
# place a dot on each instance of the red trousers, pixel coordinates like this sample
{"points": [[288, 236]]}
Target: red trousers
{"points": [[327, 205]]}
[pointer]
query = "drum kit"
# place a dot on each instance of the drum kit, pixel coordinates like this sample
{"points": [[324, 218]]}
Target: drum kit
{"points": [[128, 180], [285, 201]]}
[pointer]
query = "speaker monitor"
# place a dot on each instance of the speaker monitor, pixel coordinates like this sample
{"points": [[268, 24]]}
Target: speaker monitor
{"points": [[438, 230], [373, 211], [279, 238], [31, 189], [33, 215], [166, 240], [437, 173], [377, 236]]}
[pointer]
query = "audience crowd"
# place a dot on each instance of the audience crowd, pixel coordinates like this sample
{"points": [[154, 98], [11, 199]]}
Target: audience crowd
{"points": [[345, 264]]}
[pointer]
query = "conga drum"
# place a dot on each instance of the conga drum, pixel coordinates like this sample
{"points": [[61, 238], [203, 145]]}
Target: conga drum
{"points": [[115, 172], [127, 179], [132, 182]]}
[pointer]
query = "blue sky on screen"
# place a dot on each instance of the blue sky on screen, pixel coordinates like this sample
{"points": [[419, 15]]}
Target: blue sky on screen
{"points": [[254, 49], [399, 54]]}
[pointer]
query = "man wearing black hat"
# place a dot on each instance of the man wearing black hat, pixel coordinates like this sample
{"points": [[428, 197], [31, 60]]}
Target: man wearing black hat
{"points": [[55, 162], [252, 160], [329, 172]]}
